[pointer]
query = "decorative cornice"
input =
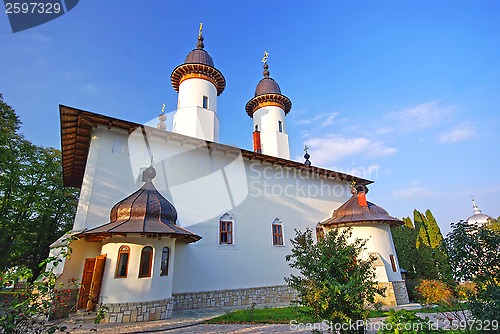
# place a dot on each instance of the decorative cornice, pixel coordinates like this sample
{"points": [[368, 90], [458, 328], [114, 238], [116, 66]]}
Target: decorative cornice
{"points": [[260, 101], [195, 70]]}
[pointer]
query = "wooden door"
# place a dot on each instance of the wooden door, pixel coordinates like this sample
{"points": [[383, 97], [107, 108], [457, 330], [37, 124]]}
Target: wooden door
{"points": [[95, 287], [88, 271]]}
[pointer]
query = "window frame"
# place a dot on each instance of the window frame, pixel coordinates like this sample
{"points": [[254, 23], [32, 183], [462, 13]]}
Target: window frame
{"points": [[227, 232], [124, 249], [393, 263], [204, 102], [280, 126], [278, 236], [141, 262], [162, 261]]}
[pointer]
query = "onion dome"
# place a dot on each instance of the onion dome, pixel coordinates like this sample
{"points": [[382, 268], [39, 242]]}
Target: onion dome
{"points": [[478, 218], [358, 210], [267, 93], [146, 212], [198, 64]]}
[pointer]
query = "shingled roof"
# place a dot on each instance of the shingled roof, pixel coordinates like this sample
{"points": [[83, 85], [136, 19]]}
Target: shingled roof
{"points": [[76, 132], [358, 210], [145, 212]]}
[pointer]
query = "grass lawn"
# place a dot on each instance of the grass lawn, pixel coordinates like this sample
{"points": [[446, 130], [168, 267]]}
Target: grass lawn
{"points": [[273, 315], [283, 315]]}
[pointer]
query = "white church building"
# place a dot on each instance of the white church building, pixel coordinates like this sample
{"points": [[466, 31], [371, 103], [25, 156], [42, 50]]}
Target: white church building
{"points": [[171, 220]]}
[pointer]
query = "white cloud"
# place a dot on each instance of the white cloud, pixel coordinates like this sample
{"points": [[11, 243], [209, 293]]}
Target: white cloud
{"points": [[323, 119], [423, 116], [326, 150], [414, 191], [458, 134]]}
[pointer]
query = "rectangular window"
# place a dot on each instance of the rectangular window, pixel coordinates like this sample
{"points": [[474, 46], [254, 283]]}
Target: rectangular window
{"points": [[280, 126], [164, 261], [146, 262], [205, 102], [277, 235], [393, 263], [226, 232], [256, 127]]}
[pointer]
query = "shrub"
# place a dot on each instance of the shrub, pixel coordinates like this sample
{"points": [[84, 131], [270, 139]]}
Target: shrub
{"points": [[404, 321], [431, 292], [465, 290]]}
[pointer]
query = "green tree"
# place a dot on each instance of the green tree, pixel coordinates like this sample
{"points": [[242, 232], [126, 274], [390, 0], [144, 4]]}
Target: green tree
{"points": [[404, 240], [35, 207], [420, 249], [333, 280], [474, 253]]}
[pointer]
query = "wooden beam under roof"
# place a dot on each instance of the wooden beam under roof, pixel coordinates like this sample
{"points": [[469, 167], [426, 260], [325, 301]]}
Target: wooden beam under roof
{"points": [[77, 126]]}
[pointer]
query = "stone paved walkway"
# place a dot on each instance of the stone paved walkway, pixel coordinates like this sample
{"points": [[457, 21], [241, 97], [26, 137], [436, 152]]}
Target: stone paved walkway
{"points": [[191, 321]]}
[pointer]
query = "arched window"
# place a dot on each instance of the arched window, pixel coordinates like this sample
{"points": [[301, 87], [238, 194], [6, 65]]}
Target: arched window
{"points": [[122, 263], [146, 262], [226, 230], [165, 254], [277, 233]]}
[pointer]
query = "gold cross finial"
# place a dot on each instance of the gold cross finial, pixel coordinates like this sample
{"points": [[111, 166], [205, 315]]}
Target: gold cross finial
{"points": [[201, 29], [266, 54], [163, 108]]}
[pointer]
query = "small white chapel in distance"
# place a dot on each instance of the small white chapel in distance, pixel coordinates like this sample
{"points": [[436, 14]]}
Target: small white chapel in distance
{"points": [[171, 220]]}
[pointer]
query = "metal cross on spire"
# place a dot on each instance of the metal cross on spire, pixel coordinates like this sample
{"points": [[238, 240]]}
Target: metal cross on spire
{"points": [[266, 55]]}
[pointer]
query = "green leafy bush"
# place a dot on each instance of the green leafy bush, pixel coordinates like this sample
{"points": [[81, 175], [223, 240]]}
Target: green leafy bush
{"points": [[465, 290], [407, 322]]}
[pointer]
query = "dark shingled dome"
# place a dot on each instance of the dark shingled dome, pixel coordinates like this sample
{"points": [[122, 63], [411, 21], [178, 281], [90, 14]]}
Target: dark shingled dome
{"points": [[199, 56], [145, 211], [358, 210], [267, 86]]}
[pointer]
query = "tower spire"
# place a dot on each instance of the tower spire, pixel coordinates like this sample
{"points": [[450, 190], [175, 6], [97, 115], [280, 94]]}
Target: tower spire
{"points": [[200, 44], [475, 207], [264, 60], [268, 109]]}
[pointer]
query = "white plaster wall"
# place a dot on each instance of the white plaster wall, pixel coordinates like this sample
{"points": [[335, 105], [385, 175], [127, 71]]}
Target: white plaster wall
{"points": [[191, 92], [73, 266], [379, 239], [273, 142], [253, 261], [132, 288], [203, 184], [108, 177], [197, 122], [267, 118]]}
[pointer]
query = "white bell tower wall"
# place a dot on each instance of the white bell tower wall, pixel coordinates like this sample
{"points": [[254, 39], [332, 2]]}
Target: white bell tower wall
{"points": [[196, 114], [270, 122]]}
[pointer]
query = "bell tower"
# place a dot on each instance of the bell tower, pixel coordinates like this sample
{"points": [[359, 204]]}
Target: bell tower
{"points": [[268, 109], [198, 83]]}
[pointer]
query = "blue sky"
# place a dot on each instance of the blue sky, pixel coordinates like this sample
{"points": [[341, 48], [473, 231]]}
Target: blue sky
{"points": [[406, 93]]}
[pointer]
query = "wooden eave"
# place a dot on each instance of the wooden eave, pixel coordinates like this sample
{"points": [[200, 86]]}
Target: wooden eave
{"points": [[212, 72], [76, 133], [280, 99]]}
